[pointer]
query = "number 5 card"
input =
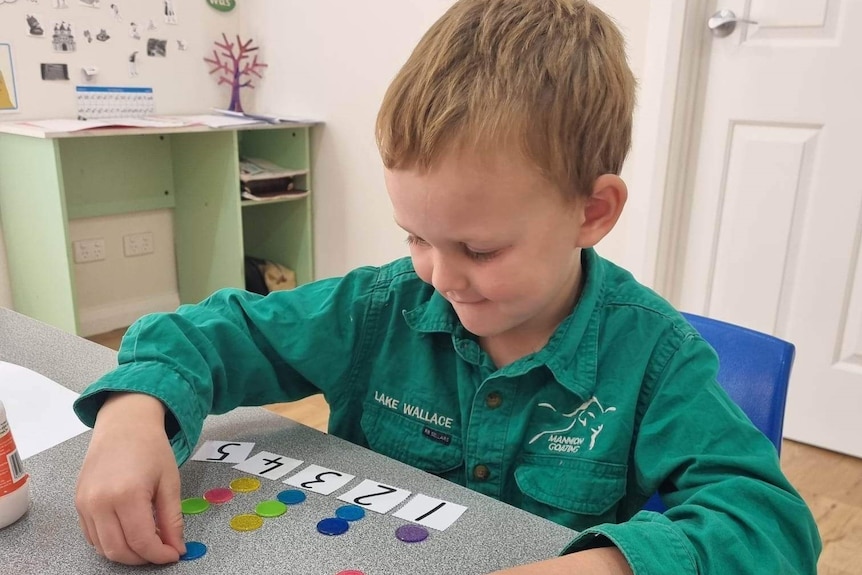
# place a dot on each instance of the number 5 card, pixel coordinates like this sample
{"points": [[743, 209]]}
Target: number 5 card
{"points": [[223, 451]]}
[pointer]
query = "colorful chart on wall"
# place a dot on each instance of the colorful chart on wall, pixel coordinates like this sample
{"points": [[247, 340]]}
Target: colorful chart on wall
{"points": [[8, 92]]}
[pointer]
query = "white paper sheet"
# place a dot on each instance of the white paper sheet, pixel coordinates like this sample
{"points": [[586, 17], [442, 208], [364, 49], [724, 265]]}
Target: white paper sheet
{"points": [[218, 121], [39, 410]]}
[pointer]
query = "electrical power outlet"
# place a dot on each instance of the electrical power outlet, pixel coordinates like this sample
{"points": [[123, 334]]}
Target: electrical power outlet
{"points": [[91, 250], [138, 244]]}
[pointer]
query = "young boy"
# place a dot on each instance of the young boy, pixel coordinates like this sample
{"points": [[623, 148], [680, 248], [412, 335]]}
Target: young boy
{"points": [[564, 387]]}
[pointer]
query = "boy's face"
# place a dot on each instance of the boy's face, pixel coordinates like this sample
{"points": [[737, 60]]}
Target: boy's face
{"points": [[496, 239]]}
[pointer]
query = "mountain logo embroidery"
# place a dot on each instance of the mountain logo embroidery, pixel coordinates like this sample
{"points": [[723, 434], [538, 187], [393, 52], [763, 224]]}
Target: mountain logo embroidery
{"points": [[584, 417]]}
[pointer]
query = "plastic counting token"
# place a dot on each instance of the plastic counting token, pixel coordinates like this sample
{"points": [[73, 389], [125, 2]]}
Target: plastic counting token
{"points": [[194, 550], [291, 496], [350, 512], [218, 495], [411, 533], [270, 508], [332, 526], [246, 522], [350, 572], [194, 505], [245, 484]]}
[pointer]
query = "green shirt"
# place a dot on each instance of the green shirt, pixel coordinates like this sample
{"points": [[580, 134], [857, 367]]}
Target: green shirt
{"points": [[621, 402]]}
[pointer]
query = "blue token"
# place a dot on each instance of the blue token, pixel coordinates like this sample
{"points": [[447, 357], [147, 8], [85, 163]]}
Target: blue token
{"points": [[194, 550], [291, 496], [333, 526], [350, 512]]}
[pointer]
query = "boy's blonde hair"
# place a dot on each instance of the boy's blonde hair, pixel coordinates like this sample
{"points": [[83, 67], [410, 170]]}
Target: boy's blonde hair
{"points": [[547, 75]]}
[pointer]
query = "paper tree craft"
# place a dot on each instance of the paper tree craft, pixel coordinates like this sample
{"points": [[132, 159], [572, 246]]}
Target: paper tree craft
{"points": [[231, 61]]}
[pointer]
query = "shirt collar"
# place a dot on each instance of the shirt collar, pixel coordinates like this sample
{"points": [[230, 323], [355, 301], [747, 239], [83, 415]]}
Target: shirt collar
{"points": [[571, 354]]}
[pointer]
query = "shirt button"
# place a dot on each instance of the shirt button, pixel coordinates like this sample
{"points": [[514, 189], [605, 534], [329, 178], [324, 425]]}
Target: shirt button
{"points": [[493, 400], [481, 472]]}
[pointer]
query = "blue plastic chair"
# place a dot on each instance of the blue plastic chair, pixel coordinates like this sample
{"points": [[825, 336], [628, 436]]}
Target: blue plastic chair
{"points": [[754, 370]]}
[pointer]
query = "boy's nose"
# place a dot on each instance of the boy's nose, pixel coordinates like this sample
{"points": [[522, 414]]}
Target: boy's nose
{"points": [[447, 276]]}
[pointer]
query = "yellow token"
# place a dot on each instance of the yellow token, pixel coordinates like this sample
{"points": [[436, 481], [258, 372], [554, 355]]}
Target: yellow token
{"points": [[245, 484], [247, 522]]}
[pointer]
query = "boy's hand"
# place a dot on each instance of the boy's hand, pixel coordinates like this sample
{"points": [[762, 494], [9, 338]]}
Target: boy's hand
{"points": [[128, 494]]}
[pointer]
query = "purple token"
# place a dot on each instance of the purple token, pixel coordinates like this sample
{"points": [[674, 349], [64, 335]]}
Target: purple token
{"points": [[411, 533]]}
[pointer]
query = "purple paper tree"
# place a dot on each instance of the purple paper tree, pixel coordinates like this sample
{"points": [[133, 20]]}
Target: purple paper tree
{"points": [[231, 61]]}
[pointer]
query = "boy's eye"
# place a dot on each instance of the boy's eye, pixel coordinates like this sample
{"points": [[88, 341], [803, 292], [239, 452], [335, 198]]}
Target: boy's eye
{"points": [[415, 241], [481, 256]]}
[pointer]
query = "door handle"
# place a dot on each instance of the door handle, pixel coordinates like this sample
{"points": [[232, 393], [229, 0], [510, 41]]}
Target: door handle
{"points": [[724, 22]]}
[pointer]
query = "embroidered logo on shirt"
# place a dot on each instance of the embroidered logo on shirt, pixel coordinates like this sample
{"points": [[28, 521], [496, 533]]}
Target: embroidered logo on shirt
{"points": [[584, 418]]}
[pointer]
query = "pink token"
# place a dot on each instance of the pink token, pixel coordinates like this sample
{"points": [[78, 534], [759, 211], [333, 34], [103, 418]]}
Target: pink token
{"points": [[219, 495], [351, 572]]}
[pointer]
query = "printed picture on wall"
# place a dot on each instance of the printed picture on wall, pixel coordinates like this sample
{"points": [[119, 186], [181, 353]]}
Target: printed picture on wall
{"points": [[156, 47], [63, 38], [54, 72], [34, 26], [8, 92]]}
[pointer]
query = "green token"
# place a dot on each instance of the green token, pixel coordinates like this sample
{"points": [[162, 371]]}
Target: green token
{"points": [[270, 508], [195, 505]]}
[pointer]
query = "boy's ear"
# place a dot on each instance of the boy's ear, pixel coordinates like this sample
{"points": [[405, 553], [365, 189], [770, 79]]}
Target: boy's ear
{"points": [[602, 209]]}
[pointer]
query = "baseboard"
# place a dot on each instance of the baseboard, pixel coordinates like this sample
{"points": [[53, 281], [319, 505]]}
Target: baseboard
{"points": [[104, 318]]}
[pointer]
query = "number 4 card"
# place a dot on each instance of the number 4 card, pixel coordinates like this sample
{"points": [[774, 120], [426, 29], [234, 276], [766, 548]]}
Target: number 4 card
{"points": [[269, 465]]}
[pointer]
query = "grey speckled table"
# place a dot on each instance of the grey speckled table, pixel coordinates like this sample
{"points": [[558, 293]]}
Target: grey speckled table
{"points": [[489, 536]]}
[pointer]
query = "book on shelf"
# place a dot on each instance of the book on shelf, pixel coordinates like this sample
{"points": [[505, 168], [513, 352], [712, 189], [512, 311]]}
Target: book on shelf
{"points": [[261, 179]]}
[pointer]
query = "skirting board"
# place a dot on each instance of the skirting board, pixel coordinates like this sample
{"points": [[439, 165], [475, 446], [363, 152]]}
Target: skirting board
{"points": [[104, 318]]}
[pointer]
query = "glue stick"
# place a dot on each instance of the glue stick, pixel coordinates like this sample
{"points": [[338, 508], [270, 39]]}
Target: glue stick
{"points": [[14, 482]]}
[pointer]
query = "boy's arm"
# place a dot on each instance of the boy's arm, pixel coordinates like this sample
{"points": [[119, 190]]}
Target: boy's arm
{"points": [[237, 348], [602, 561], [730, 508]]}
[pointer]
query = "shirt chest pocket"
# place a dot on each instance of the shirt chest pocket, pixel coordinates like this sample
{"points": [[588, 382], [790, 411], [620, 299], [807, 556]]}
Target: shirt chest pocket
{"points": [[577, 493], [413, 442]]}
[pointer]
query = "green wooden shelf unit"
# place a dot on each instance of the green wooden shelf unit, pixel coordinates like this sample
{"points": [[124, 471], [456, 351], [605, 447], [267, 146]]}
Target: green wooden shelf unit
{"points": [[46, 181]]}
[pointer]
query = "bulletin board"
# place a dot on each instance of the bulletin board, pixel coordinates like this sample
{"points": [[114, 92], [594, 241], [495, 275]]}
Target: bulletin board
{"points": [[8, 91], [52, 49]]}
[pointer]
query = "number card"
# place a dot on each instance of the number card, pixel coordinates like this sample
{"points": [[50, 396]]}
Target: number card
{"points": [[434, 513], [269, 465], [223, 451], [375, 496], [319, 479]]}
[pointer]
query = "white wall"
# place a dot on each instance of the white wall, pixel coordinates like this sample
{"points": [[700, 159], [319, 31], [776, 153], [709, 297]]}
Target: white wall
{"points": [[333, 60], [181, 84], [337, 68], [180, 80]]}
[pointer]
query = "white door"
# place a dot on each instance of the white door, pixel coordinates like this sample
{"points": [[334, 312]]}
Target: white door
{"points": [[775, 220]]}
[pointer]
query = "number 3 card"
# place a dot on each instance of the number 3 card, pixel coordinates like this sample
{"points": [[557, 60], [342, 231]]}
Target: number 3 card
{"points": [[319, 479]]}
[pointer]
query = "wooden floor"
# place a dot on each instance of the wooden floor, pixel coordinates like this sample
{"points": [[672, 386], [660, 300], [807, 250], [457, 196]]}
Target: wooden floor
{"points": [[829, 482]]}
